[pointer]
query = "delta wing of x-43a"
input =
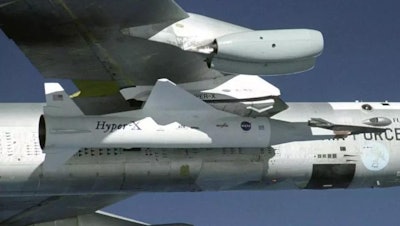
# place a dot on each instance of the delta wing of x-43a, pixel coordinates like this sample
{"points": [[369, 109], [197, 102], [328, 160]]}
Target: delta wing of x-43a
{"points": [[171, 101]]}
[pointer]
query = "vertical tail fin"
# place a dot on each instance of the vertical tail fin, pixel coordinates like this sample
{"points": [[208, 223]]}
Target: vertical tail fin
{"points": [[58, 102], [167, 96]]}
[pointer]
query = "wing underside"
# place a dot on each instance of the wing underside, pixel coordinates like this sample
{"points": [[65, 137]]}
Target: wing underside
{"points": [[26, 210], [83, 41]]}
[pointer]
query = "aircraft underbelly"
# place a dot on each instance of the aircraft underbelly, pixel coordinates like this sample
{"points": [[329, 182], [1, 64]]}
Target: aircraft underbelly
{"points": [[107, 171]]}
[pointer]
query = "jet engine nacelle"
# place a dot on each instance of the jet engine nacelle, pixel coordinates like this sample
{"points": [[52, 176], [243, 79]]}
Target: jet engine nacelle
{"points": [[267, 52]]}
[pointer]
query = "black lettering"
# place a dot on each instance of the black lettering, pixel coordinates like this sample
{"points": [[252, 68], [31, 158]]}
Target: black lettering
{"points": [[100, 124], [378, 135], [121, 126], [206, 96], [135, 126], [389, 136], [113, 127], [397, 133], [108, 126], [367, 136]]}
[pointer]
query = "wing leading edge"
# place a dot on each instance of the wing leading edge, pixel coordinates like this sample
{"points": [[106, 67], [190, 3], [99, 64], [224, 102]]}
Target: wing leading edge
{"points": [[101, 218], [15, 211]]}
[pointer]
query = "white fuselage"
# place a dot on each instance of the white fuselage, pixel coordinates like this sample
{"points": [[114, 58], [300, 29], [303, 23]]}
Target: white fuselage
{"points": [[203, 131], [366, 160]]}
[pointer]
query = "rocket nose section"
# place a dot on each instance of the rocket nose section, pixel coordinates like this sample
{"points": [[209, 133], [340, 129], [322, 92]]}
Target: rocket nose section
{"points": [[316, 42]]}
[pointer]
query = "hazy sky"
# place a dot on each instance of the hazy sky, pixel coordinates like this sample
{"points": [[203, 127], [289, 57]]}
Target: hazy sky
{"points": [[360, 62]]}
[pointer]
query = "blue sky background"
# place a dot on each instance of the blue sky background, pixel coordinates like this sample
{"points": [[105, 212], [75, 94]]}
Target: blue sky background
{"points": [[360, 62]]}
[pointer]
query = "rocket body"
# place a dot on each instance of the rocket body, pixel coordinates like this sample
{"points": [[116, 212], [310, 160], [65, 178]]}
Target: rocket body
{"points": [[203, 131]]}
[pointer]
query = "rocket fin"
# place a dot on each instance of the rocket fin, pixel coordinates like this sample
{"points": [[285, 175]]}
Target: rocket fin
{"points": [[167, 96], [58, 102]]}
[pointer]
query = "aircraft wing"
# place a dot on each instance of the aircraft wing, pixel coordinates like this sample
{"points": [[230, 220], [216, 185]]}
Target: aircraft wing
{"points": [[344, 130], [70, 210], [104, 46], [83, 41], [100, 219], [26, 210]]}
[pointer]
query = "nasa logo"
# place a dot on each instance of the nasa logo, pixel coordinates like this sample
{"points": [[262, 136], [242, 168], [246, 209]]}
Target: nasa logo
{"points": [[246, 126]]}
